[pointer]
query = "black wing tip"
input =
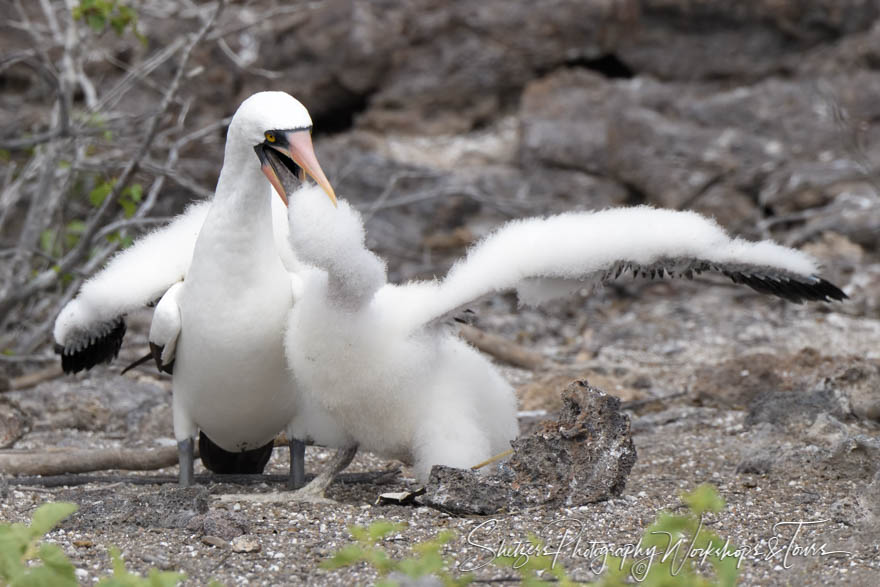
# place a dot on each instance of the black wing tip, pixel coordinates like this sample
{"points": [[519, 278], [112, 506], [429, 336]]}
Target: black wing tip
{"points": [[156, 353], [100, 350], [793, 289], [831, 291]]}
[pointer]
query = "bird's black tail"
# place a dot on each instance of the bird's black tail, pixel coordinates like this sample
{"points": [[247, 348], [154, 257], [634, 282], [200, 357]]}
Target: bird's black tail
{"points": [[224, 462]]}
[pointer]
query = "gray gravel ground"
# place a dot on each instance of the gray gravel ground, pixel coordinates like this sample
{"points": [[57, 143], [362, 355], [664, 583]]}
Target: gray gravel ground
{"points": [[650, 347]]}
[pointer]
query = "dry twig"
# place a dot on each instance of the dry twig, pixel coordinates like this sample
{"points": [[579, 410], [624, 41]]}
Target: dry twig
{"points": [[502, 349], [59, 462]]}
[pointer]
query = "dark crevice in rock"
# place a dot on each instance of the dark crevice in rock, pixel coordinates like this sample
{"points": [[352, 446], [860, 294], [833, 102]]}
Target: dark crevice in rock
{"points": [[340, 117], [609, 65], [634, 194]]}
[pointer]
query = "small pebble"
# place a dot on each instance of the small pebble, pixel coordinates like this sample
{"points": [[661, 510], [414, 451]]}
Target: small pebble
{"points": [[215, 541], [245, 543]]}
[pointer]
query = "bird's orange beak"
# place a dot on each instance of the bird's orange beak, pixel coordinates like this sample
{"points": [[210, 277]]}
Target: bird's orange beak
{"points": [[297, 145]]}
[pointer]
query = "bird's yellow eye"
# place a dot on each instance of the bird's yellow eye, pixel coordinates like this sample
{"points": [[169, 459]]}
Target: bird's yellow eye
{"points": [[270, 136]]}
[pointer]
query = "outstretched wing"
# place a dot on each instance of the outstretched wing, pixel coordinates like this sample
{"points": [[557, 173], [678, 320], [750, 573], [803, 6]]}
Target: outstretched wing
{"points": [[90, 328], [546, 258]]}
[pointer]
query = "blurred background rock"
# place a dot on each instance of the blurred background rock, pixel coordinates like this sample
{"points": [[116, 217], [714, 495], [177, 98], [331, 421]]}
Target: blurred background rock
{"points": [[441, 119]]}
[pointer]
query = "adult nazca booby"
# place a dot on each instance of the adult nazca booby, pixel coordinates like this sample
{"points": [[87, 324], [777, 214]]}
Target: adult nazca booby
{"points": [[230, 376]]}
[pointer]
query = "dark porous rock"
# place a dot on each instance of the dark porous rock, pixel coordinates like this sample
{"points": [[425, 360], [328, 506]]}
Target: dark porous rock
{"points": [[793, 408], [856, 457], [840, 454], [466, 492], [860, 379], [736, 382], [869, 499], [746, 39], [789, 389], [583, 457]]}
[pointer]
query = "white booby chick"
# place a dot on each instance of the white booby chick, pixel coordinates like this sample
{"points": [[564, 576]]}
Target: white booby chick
{"points": [[230, 377], [422, 395], [375, 366]]}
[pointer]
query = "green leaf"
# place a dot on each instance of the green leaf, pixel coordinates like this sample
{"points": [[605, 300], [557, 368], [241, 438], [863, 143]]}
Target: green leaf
{"points": [[344, 557], [360, 533], [56, 561], [382, 528], [135, 192], [47, 241], [100, 193], [128, 207], [704, 498], [164, 578], [43, 577], [117, 562], [14, 540], [96, 22], [75, 227], [421, 566], [49, 515], [381, 561]]}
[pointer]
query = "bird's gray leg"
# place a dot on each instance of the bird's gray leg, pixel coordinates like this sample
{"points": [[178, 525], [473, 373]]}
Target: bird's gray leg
{"points": [[185, 460], [314, 491], [297, 464]]}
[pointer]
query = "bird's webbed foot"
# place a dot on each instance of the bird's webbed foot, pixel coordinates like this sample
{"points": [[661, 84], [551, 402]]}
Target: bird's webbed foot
{"points": [[314, 491]]}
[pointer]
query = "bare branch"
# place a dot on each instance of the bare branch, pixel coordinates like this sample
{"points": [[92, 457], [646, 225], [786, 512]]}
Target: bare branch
{"points": [[502, 349], [264, 17], [58, 462], [112, 96], [246, 65], [80, 250], [63, 126]]}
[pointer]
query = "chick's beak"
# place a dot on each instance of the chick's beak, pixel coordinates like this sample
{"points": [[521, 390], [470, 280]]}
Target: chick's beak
{"points": [[299, 148]]}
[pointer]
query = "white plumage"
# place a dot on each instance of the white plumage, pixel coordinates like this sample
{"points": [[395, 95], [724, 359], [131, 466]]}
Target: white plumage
{"points": [[165, 328], [222, 326], [373, 364], [307, 334], [133, 278], [544, 258], [418, 394]]}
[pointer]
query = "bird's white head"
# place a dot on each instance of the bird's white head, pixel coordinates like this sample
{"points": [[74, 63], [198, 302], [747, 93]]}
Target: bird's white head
{"points": [[278, 128]]}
